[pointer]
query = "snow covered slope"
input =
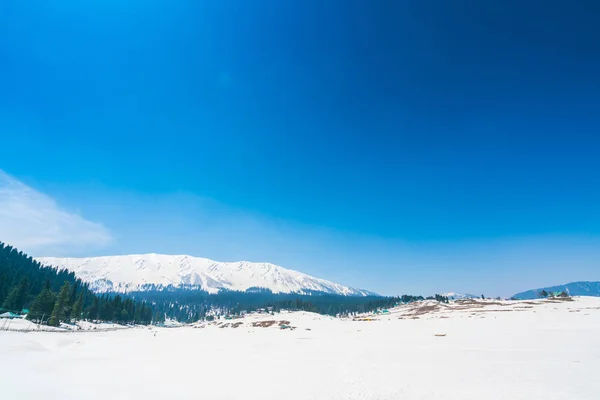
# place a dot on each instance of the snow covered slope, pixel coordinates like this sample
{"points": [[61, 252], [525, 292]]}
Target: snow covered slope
{"points": [[459, 296], [480, 350], [147, 271]]}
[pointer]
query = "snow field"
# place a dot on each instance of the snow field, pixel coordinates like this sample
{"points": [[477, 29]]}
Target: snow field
{"points": [[549, 351]]}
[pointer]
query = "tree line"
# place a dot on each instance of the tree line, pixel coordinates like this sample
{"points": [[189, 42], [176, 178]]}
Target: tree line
{"points": [[186, 305], [53, 296]]}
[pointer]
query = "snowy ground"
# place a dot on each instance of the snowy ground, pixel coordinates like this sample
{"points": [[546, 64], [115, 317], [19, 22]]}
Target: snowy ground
{"points": [[491, 350], [23, 325]]}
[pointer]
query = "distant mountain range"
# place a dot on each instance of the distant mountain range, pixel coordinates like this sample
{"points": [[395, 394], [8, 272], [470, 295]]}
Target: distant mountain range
{"points": [[573, 288], [144, 272], [459, 296]]}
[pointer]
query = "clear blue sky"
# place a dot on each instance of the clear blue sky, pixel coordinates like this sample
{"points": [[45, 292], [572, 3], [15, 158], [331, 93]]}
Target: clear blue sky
{"points": [[401, 146]]}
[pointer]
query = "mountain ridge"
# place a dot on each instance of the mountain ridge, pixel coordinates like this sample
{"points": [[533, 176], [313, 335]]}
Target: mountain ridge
{"points": [[459, 296], [579, 288], [139, 272]]}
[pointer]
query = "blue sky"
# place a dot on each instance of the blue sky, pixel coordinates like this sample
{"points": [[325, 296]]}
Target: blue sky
{"points": [[397, 146]]}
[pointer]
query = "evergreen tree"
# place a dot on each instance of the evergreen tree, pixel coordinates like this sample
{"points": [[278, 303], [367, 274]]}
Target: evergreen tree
{"points": [[116, 307], [124, 316], [137, 316], [17, 296], [77, 307], [42, 306], [61, 306], [106, 312], [94, 309], [11, 300]]}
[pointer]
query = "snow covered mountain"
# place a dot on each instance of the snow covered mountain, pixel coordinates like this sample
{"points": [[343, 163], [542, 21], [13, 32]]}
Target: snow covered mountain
{"points": [[158, 271], [459, 296]]}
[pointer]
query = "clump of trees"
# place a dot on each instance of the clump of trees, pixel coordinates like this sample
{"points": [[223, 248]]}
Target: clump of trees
{"points": [[543, 294], [442, 299], [437, 297], [67, 306], [54, 296]]}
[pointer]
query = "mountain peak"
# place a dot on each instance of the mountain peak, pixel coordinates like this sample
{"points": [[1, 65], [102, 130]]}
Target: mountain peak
{"points": [[135, 272]]}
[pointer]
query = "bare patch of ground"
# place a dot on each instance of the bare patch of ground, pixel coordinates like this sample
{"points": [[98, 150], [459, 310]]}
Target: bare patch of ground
{"points": [[269, 323], [558, 299]]}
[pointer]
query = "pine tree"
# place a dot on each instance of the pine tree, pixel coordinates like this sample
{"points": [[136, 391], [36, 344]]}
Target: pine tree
{"points": [[116, 307], [124, 316], [73, 293], [106, 312], [137, 315], [42, 305], [61, 305], [17, 296], [77, 307], [94, 309], [11, 299]]}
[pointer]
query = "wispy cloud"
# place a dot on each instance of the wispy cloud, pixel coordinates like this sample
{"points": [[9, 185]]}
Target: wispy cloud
{"points": [[34, 222]]}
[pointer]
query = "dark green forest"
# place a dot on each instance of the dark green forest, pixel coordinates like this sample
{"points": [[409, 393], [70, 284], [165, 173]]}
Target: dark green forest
{"points": [[53, 296], [192, 305]]}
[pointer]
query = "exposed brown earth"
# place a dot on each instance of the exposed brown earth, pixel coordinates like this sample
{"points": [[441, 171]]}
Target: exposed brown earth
{"points": [[263, 324]]}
